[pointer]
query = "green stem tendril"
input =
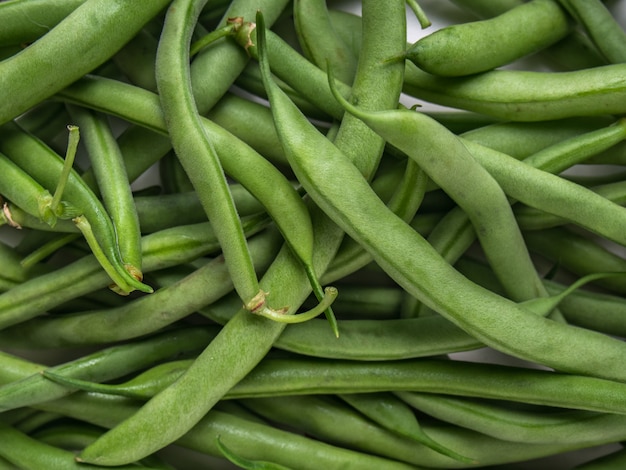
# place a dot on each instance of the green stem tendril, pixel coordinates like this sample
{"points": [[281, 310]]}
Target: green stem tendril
{"points": [[121, 286], [233, 24], [544, 305], [320, 293], [419, 14], [70, 155], [330, 294]]}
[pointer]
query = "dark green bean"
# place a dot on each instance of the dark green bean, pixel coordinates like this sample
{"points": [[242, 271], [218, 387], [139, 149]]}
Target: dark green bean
{"points": [[161, 249], [524, 95], [320, 42], [478, 46], [113, 362], [247, 438], [108, 166], [379, 87], [603, 29], [46, 167], [436, 150], [414, 265], [30, 76], [145, 314], [27, 453], [27, 21]]}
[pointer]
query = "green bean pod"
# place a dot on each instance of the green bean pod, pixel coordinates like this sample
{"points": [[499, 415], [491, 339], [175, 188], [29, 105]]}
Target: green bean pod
{"points": [[53, 62], [108, 166], [523, 95], [603, 29], [449, 164], [469, 48], [420, 270], [44, 165], [284, 276]]}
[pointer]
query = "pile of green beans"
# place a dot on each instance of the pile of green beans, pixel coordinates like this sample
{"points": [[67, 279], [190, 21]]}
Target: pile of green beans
{"points": [[187, 185]]}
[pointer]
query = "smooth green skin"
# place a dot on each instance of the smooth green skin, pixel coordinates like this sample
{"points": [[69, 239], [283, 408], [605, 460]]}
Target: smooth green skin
{"points": [[29, 454], [252, 336], [169, 210], [46, 166], [247, 438], [579, 254], [244, 463], [239, 161], [146, 314], [57, 60], [523, 95], [318, 417], [282, 377], [395, 416], [234, 113], [160, 250], [26, 389], [537, 425], [420, 270], [194, 146], [522, 139], [26, 21], [450, 165], [553, 194], [295, 70], [469, 48], [136, 60], [601, 26], [113, 184], [578, 149], [319, 40], [12, 270], [17, 186]]}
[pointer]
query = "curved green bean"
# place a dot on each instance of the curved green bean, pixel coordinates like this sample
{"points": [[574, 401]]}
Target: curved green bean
{"points": [[51, 63], [478, 46], [524, 95]]}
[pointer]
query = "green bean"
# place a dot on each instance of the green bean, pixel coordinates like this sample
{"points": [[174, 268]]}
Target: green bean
{"points": [[234, 114], [46, 166], [522, 139], [161, 249], [27, 21], [533, 187], [523, 95], [316, 416], [394, 415], [22, 74], [535, 425], [136, 60], [249, 439], [106, 161], [577, 253], [603, 29], [282, 377], [146, 314], [437, 150], [320, 42], [295, 70], [468, 48], [273, 190], [26, 389], [378, 87], [190, 141], [28, 453], [414, 265]]}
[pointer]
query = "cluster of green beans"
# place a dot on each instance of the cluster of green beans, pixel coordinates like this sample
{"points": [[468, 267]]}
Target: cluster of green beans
{"points": [[186, 185]]}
